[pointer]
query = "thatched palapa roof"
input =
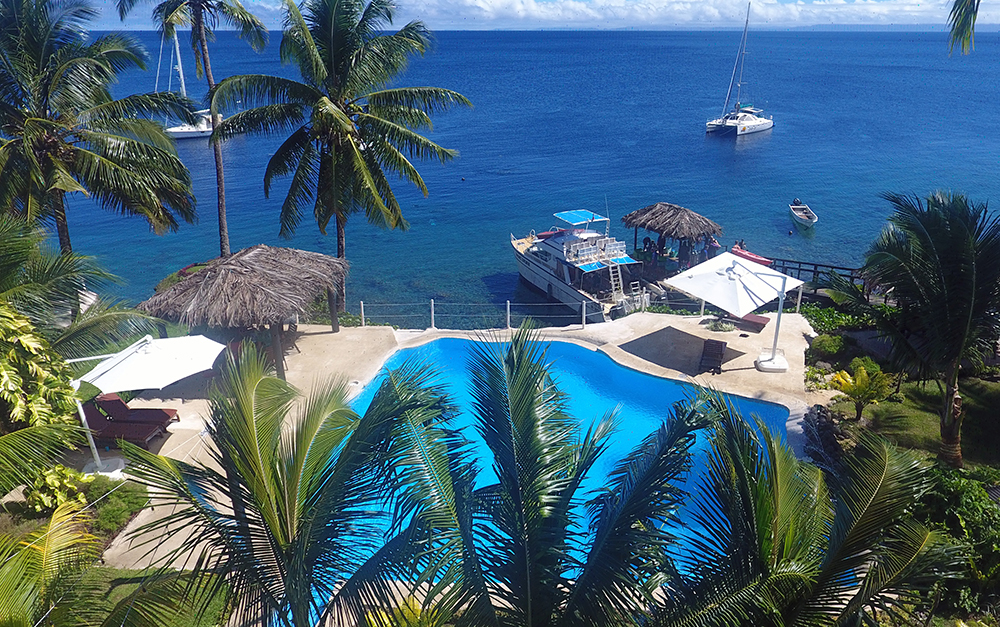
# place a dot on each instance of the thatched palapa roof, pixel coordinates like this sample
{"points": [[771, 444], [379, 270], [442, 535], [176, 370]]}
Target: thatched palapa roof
{"points": [[674, 221], [254, 287]]}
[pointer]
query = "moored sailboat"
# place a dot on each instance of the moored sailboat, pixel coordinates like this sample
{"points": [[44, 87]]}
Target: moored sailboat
{"points": [[744, 118]]}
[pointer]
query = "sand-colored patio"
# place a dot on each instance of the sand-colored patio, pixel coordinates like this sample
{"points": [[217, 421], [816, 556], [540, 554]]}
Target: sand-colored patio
{"points": [[662, 345]]}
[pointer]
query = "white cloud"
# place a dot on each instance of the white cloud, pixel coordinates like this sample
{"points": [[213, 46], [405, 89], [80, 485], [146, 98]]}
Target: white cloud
{"points": [[637, 14]]}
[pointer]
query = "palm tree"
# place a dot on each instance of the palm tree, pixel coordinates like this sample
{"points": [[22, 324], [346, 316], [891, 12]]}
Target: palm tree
{"points": [[773, 544], [862, 389], [40, 570], [288, 513], [939, 261], [45, 287], [61, 132], [203, 16], [515, 551], [348, 130], [963, 24]]}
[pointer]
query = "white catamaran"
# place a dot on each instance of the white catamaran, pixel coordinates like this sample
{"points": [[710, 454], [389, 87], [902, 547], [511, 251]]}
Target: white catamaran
{"points": [[744, 118], [581, 267]]}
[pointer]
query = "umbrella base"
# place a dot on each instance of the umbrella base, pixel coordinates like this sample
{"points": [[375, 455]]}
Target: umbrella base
{"points": [[767, 363], [112, 467]]}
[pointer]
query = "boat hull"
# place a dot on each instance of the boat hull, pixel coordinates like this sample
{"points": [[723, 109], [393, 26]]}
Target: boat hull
{"points": [[756, 126], [808, 220], [545, 281]]}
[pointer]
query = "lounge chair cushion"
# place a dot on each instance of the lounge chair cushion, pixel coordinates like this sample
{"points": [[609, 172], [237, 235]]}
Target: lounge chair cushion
{"points": [[118, 411]]}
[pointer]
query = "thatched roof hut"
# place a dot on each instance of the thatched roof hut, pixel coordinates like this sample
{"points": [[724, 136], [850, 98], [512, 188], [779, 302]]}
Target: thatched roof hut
{"points": [[255, 287], [672, 221]]}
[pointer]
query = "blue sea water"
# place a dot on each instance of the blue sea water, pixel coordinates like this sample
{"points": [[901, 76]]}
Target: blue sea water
{"points": [[594, 385], [610, 121]]}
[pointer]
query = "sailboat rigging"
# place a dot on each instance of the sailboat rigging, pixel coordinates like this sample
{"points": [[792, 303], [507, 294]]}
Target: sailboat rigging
{"points": [[203, 119], [744, 118]]}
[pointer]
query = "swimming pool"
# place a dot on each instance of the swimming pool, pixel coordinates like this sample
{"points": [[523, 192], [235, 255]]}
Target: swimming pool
{"points": [[594, 383]]}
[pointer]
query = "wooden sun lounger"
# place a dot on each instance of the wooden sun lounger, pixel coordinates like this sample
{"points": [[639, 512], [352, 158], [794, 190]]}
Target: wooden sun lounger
{"points": [[118, 411], [107, 432], [712, 355]]}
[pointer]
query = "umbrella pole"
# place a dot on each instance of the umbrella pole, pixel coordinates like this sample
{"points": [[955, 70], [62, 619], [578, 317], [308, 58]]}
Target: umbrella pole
{"points": [[777, 323], [90, 437]]}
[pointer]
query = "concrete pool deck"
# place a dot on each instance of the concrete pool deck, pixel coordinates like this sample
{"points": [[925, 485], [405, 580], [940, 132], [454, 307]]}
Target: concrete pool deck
{"points": [[658, 344]]}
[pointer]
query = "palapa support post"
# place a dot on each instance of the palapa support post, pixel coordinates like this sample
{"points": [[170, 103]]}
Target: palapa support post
{"points": [[432, 314], [508, 314], [362, 313], [331, 302], [279, 353], [798, 301], [583, 314], [702, 313]]}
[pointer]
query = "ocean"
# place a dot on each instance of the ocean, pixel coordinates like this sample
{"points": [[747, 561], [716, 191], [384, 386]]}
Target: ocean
{"points": [[609, 121]]}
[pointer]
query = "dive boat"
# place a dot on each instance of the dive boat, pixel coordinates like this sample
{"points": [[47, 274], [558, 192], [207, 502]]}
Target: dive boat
{"points": [[744, 118], [581, 266], [802, 214]]}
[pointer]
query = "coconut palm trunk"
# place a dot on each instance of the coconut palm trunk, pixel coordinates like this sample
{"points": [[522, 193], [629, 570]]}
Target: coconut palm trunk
{"points": [[342, 254], [198, 22], [951, 421], [62, 225]]}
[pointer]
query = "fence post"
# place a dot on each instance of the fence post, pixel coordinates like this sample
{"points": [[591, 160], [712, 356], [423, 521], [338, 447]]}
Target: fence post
{"points": [[508, 314], [642, 300], [583, 314], [362, 313], [432, 314], [798, 301]]}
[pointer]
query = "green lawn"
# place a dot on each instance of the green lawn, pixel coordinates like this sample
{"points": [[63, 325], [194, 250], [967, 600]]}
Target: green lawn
{"points": [[913, 424]]}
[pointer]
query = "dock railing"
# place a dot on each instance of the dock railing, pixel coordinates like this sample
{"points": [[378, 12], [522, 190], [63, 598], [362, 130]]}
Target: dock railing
{"points": [[811, 272], [437, 314]]}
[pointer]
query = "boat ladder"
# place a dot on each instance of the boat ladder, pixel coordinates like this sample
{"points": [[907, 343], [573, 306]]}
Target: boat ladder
{"points": [[617, 293]]}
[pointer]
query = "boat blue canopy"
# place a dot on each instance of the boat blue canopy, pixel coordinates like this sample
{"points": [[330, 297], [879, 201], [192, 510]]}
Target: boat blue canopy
{"points": [[577, 217]]}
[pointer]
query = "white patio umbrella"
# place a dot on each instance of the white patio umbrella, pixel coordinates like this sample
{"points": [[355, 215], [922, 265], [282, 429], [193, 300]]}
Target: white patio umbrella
{"points": [[148, 365], [740, 287]]}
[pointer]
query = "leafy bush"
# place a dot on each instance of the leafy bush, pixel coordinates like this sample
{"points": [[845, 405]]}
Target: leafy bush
{"points": [[958, 503], [56, 486], [869, 364], [666, 309], [721, 326], [827, 345], [114, 504], [895, 397]]}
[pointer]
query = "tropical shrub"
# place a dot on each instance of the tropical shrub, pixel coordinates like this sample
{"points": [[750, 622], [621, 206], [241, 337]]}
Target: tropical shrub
{"points": [[56, 486], [958, 503], [721, 326], [827, 345], [34, 380], [862, 389], [866, 362]]}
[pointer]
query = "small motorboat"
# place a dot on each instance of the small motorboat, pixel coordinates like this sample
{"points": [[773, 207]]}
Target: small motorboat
{"points": [[802, 214]]}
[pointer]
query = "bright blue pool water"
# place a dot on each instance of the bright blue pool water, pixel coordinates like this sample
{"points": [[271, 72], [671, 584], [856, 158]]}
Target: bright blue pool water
{"points": [[594, 384]]}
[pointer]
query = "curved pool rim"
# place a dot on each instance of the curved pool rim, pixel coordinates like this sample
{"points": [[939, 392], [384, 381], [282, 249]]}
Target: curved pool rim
{"points": [[796, 407]]}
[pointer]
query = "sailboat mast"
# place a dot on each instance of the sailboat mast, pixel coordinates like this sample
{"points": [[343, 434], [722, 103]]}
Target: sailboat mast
{"points": [[742, 55], [180, 68], [737, 64]]}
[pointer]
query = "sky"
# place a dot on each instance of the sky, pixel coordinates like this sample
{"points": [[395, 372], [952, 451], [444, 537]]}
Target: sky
{"points": [[632, 14]]}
